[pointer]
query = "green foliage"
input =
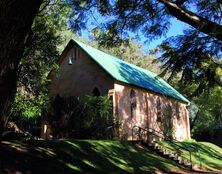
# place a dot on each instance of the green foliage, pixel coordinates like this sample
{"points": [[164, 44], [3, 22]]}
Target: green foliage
{"points": [[88, 117], [39, 58], [196, 58], [209, 114], [117, 19], [28, 107]]}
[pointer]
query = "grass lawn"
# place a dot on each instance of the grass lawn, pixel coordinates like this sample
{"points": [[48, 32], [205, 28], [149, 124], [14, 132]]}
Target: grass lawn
{"points": [[80, 156], [204, 154]]}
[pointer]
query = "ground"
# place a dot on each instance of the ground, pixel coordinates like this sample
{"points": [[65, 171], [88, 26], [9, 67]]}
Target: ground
{"points": [[81, 156]]}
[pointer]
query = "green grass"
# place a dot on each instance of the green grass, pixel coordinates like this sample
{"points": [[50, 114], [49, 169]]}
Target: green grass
{"points": [[80, 156], [204, 154]]}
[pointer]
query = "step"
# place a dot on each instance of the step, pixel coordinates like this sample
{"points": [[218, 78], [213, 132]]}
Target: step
{"points": [[151, 144], [180, 160], [157, 147], [186, 163], [175, 157], [166, 152], [171, 156]]}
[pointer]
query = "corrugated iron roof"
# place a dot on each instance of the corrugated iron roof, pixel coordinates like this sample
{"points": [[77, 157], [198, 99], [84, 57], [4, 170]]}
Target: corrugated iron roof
{"points": [[131, 74]]}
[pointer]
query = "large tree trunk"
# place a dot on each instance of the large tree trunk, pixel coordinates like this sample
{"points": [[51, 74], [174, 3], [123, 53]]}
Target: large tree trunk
{"points": [[16, 18]]}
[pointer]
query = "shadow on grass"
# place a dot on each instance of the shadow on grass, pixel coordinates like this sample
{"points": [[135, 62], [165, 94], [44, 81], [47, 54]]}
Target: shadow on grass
{"points": [[79, 156]]}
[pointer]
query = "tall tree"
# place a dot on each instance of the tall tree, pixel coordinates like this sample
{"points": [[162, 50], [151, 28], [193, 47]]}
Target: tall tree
{"points": [[16, 18], [151, 18], [196, 58], [39, 57]]}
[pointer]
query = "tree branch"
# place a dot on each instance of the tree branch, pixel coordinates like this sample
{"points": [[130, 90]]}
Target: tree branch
{"points": [[180, 2], [203, 25], [219, 1], [44, 7]]}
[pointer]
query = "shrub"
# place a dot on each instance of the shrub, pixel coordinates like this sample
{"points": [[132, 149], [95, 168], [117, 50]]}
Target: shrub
{"points": [[87, 117]]}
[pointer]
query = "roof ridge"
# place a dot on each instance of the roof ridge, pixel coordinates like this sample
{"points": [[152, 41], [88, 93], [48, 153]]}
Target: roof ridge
{"points": [[129, 73]]}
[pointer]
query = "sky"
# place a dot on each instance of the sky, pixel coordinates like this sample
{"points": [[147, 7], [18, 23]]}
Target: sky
{"points": [[176, 28]]}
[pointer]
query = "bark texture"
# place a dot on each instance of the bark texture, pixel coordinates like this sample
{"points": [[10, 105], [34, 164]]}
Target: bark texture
{"points": [[16, 18], [204, 25]]}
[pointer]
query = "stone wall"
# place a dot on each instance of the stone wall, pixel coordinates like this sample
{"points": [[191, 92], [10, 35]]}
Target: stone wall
{"points": [[80, 78], [146, 113]]}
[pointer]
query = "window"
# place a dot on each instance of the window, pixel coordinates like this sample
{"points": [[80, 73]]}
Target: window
{"points": [[74, 54], [178, 115], [96, 92], [132, 103], [158, 106], [168, 129]]}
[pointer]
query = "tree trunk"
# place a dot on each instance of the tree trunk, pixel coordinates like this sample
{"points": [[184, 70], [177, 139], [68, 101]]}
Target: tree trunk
{"points": [[16, 18], [202, 24]]}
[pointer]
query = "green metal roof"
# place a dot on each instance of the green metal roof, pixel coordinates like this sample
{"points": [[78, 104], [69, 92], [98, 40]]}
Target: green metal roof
{"points": [[131, 74]]}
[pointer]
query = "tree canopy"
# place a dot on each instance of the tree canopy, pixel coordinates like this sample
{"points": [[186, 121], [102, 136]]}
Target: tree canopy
{"points": [[196, 54], [152, 18], [39, 57], [206, 113]]}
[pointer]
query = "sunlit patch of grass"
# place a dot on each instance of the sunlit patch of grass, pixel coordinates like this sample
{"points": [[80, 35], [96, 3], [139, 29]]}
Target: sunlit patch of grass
{"points": [[121, 165], [47, 151], [120, 160], [16, 145], [89, 163], [73, 144], [76, 146], [73, 167]]}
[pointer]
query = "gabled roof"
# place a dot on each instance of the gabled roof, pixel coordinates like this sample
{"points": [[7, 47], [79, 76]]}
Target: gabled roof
{"points": [[131, 74]]}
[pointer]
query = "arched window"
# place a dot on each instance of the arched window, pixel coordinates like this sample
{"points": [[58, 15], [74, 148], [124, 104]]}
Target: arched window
{"points": [[178, 114], [132, 103], [167, 121], [96, 92], [158, 107]]}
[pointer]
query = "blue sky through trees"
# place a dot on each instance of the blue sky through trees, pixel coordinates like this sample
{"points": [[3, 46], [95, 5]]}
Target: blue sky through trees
{"points": [[176, 28]]}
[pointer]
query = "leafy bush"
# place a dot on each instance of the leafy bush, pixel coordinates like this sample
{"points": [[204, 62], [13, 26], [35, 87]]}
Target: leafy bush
{"points": [[87, 117]]}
